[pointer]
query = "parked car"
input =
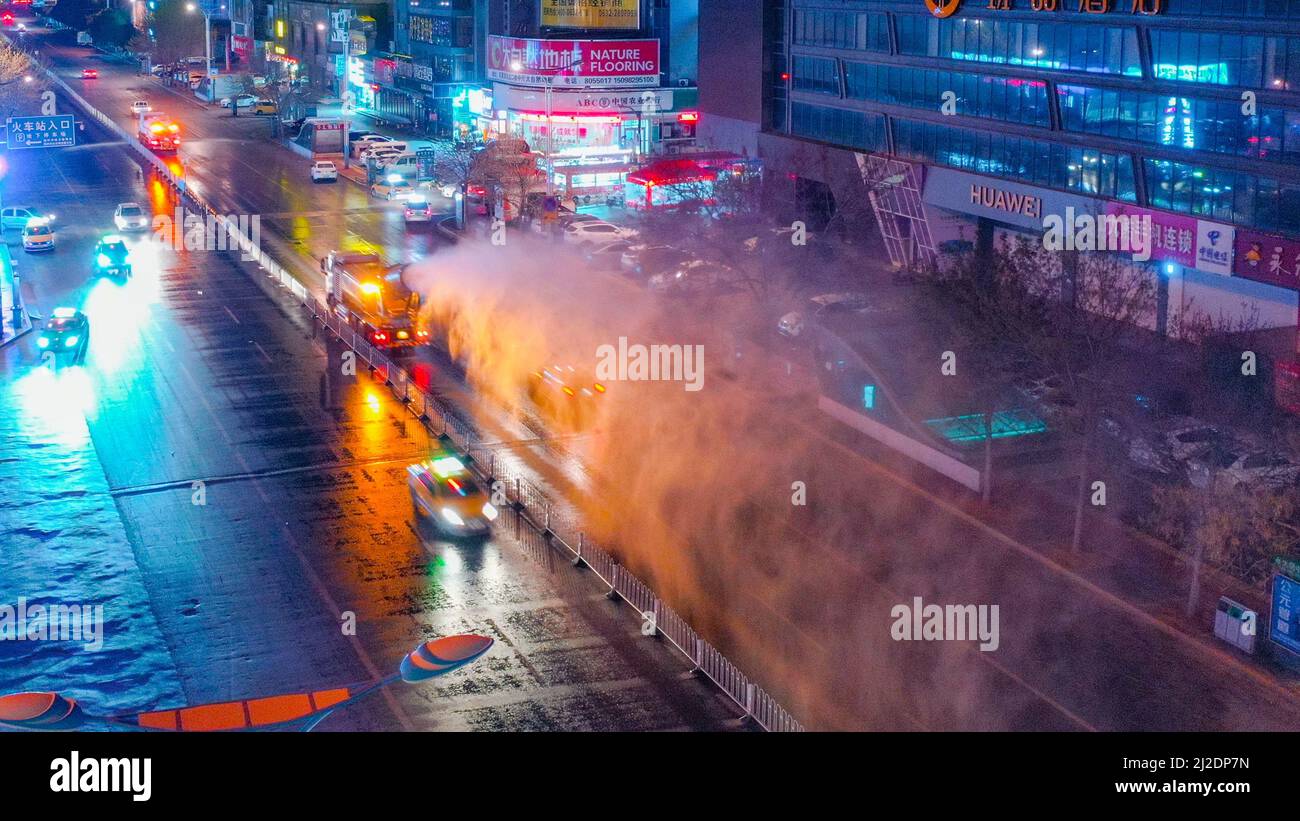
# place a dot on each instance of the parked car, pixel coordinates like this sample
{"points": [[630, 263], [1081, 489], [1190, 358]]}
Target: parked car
{"points": [[324, 171], [1237, 467], [643, 260], [368, 141], [606, 255], [583, 233], [1169, 447], [89, 74], [241, 100], [265, 107], [694, 277]]}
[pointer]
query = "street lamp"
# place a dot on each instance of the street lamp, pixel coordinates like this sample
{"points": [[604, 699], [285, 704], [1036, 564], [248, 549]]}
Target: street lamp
{"points": [[517, 66], [207, 40], [55, 711]]}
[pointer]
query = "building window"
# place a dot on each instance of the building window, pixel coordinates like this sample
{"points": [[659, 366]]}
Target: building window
{"points": [[841, 126], [1226, 59], [1054, 46], [1052, 165], [826, 28], [1009, 99], [816, 74], [1181, 122]]}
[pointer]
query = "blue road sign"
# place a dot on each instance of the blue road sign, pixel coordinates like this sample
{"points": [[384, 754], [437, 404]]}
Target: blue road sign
{"points": [[50, 131], [1284, 620]]}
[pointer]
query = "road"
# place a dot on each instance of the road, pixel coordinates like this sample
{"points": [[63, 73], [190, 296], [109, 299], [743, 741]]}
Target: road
{"points": [[799, 596], [233, 504]]}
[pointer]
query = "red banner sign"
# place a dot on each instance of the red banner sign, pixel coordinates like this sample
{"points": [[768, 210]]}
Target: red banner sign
{"points": [[574, 63], [1266, 258]]}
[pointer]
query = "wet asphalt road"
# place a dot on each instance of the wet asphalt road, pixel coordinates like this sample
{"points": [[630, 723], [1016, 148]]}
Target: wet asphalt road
{"points": [[808, 605], [240, 586]]}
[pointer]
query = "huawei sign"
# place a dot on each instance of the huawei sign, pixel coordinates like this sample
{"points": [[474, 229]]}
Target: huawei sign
{"points": [[942, 8]]}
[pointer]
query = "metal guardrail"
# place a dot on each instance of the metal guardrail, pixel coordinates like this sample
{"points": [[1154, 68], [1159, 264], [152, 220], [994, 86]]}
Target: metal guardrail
{"points": [[529, 500]]}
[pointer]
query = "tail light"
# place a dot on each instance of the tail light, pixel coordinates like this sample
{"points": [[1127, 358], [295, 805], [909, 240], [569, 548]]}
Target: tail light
{"points": [[568, 390], [599, 388], [380, 336], [422, 334]]}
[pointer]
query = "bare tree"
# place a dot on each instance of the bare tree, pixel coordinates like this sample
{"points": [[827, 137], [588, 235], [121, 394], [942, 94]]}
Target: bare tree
{"points": [[1075, 319], [21, 82], [178, 33]]}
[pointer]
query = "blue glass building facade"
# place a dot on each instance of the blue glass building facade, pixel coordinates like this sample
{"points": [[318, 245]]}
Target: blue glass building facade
{"points": [[1193, 107]]}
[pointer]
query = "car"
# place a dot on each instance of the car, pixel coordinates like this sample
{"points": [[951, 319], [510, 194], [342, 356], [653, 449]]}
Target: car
{"points": [[1238, 467], [1174, 442], [66, 333], [111, 257], [140, 107], [791, 325], [265, 107], [7, 18], [693, 277], [89, 74], [38, 235], [606, 255], [362, 144], [241, 100], [584, 232], [131, 216], [444, 492], [418, 208], [398, 189], [324, 171], [353, 136], [380, 153], [1050, 397], [643, 259], [566, 395], [19, 215]]}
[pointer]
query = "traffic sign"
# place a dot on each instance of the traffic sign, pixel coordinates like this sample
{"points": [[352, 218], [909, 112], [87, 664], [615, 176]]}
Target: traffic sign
{"points": [[51, 131], [1284, 621]]}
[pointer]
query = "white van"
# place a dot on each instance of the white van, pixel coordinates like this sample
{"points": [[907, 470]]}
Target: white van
{"points": [[403, 164]]}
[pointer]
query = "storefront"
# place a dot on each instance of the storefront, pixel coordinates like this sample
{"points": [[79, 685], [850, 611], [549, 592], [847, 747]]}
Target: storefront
{"points": [[1199, 278]]}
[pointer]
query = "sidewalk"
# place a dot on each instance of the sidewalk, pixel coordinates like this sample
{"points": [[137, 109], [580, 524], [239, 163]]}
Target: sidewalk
{"points": [[9, 329]]}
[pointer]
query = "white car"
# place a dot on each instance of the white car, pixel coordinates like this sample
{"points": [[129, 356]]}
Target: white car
{"points": [[243, 101], [360, 144], [323, 170], [582, 233], [140, 107], [392, 189], [130, 216], [1236, 467], [38, 235], [380, 153]]}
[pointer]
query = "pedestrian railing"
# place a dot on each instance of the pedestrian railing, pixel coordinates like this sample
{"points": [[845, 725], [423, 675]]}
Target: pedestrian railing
{"points": [[533, 504]]}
